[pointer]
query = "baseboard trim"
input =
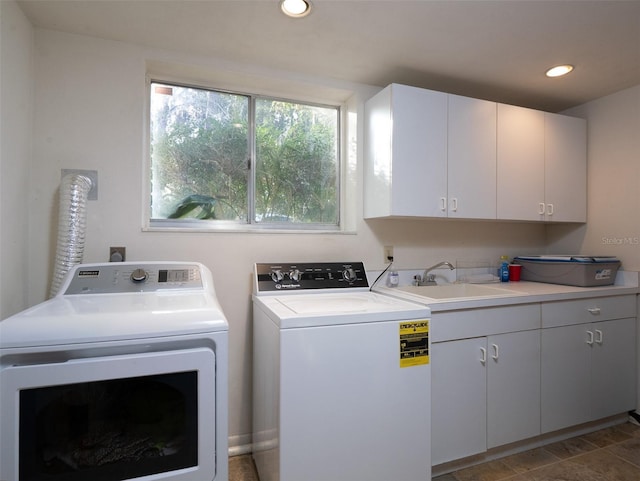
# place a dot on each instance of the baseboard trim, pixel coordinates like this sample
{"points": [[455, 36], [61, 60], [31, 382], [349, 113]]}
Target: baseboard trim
{"points": [[240, 444]]}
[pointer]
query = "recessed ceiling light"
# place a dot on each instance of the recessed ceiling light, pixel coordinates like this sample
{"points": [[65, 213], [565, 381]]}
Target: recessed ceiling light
{"points": [[295, 8], [559, 70]]}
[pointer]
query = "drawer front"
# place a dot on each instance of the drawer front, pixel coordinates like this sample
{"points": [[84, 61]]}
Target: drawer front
{"points": [[581, 311], [466, 323]]}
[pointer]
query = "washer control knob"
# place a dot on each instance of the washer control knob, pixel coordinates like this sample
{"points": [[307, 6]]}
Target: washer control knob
{"points": [[294, 275], [349, 275], [139, 275], [277, 275]]}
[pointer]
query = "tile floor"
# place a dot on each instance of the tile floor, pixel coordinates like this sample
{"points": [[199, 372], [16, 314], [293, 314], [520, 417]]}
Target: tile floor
{"points": [[611, 454], [241, 468]]}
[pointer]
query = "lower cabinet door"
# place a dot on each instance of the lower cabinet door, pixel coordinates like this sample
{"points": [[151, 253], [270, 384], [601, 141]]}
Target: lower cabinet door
{"points": [[566, 377], [459, 399], [613, 365], [513, 387]]}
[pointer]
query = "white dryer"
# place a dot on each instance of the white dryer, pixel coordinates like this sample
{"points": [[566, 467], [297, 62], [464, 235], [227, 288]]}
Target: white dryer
{"points": [[341, 377], [121, 376]]}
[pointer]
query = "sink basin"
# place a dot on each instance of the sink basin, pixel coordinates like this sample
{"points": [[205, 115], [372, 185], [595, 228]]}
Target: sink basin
{"points": [[456, 291]]}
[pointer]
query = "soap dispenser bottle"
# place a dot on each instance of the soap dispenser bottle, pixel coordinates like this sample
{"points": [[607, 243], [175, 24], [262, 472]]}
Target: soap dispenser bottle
{"points": [[393, 279], [504, 268]]}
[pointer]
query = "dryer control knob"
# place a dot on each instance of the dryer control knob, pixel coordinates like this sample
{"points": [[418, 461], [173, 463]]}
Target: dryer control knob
{"points": [[277, 275], [139, 275], [349, 275]]}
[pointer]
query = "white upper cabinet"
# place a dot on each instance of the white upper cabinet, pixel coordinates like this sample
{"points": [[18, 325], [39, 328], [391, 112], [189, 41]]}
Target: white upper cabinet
{"points": [[542, 166], [520, 163], [432, 154], [406, 152], [471, 165], [565, 174]]}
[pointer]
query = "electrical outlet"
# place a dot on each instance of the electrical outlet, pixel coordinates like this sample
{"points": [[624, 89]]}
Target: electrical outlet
{"points": [[117, 254], [388, 254]]}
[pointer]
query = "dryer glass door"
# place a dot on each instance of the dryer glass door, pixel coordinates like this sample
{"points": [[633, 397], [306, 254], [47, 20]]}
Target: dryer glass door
{"points": [[114, 417]]}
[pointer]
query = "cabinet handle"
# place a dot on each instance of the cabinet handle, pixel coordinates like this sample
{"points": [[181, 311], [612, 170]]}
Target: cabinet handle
{"points": [[594, 310], [590, 338], [443, 204], [549, 209], [496, 352], [483, 357], [599, 336], [454, 204], [541, 207]]}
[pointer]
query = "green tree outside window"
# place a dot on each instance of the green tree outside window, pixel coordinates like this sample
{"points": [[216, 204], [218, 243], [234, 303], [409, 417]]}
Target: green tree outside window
{"points": [[241, 158]]}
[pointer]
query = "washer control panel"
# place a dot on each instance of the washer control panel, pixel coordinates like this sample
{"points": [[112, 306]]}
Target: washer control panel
{"points": [[308, 276], [119, 277]]}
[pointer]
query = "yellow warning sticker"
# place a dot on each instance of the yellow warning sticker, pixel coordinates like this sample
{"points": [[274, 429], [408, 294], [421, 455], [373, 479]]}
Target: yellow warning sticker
{"points": [[414, 343]]}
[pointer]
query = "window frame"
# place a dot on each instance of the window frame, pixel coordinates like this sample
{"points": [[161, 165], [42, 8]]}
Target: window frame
{"points": [[200, 225]]}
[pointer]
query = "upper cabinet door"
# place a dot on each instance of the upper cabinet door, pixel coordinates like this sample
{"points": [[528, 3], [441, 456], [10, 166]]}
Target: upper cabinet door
{"points": [[471, 158], [565, 168], [405, 152], [521, 163]]}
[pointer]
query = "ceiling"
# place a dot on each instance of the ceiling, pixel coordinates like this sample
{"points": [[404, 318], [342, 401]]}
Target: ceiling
{"points": [[493, 49]]}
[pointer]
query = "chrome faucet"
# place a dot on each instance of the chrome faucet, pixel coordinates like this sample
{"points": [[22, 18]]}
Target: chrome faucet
{"points": [[428, 279]]}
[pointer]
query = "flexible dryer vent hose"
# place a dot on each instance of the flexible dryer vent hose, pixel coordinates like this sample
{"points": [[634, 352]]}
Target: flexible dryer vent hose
{"points": [[72, 220]]}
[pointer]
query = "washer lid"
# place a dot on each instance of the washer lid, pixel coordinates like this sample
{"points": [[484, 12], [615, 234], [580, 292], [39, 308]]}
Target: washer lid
{"points": [[112, 317], [320, 309]]}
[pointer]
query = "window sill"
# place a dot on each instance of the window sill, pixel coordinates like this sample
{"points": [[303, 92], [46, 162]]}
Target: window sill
{"points": [[200, 226]]}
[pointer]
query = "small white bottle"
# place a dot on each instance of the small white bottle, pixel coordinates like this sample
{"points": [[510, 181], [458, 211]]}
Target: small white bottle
{"points": [[393, 279]]}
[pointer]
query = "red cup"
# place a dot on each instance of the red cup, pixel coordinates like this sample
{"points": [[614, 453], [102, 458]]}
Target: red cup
{"points": [[514, 272]]}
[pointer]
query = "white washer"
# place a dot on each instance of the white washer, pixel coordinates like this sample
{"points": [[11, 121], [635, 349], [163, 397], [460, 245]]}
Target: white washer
{"points": [[341, 377], [121, 376]]}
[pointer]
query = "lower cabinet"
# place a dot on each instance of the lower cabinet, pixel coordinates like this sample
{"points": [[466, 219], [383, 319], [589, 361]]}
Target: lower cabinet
{"points": [[485, 392], [588, 372], [505, 374]]}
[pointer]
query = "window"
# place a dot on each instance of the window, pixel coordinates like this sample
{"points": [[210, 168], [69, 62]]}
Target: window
{"points": [[221, 159]]}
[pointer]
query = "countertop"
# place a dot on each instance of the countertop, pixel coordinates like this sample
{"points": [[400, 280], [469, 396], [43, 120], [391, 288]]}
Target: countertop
{"points": [[524, 292]]}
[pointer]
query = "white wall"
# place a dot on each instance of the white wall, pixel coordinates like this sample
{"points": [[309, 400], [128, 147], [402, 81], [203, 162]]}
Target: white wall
{"points": [[89, 114], [613, 211], [16, 113]]}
